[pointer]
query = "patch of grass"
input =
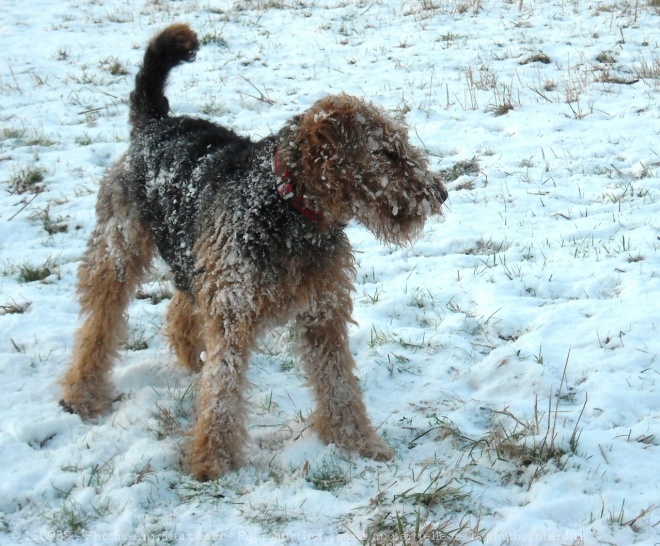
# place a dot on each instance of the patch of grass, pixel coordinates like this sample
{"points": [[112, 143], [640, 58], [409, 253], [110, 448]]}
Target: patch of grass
{"points": [[27, 272], [168, 422], [372, 297], [504, 102], [605, 57], [192, 491], [100, 473], [449, 38], [212, 107], [69, 519], [13, 133], [549, 85], [329, 475], [261, 95], [13, 308], [489, 247], [50, 224], [288, 365], [114, 66], [400, 364], [536, 441], [173, 412], [271, 516], [23, 137], [421, 298], [618, 518], [415, 526], [84, 139], [606, 76], [434, 494], [125, 16], [380, 337], [85, 78], [27, 179], [537, 58], [411, 517], [422, 9], [460, 168], [648, 70], [145, 474], [138, 342], [213, 38]]}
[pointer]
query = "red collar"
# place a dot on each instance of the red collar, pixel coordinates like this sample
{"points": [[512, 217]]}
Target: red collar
{"points": [[287, 191]]}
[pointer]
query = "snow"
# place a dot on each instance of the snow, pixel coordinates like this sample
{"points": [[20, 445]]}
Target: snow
{"points": [[510, 356]]}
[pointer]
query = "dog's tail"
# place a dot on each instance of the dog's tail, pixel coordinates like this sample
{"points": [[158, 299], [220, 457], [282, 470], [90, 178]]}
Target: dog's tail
{"points": [[171, 47]]}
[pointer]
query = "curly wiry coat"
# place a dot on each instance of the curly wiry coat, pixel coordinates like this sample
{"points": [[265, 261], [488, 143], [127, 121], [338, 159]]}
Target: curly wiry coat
{"points": [[253, 233]]}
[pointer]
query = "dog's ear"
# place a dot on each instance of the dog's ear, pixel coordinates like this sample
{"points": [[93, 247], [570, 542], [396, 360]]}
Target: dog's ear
{"points": [[336, 122], [327, 130]]}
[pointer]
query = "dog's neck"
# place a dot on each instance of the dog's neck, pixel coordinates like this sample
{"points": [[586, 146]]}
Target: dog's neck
{"points": [[287, 191]]}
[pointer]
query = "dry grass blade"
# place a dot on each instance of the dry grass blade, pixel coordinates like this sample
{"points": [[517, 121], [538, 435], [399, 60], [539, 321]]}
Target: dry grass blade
{"points": [[641, 515], [147, 470]]}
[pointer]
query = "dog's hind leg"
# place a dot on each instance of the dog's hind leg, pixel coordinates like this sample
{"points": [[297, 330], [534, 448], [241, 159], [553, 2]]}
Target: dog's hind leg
{"points": [[183, 331], [117, 256]]}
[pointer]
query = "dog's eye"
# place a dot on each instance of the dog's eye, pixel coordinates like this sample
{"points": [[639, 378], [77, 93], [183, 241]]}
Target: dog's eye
{"points": [[390, 154]]}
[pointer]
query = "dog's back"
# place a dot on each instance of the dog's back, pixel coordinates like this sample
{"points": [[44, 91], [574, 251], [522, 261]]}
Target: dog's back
{"points": [[175, 159]]}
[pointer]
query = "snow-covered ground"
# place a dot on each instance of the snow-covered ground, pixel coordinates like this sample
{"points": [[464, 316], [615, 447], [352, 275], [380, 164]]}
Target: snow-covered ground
{"points": [[510, 357]]}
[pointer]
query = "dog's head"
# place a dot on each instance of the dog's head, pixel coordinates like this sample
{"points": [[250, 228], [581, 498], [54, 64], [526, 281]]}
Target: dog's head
{"points": [[352, 161]]}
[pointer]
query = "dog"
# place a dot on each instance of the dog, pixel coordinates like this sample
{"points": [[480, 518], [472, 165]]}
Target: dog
{"points": [[253, 233]]}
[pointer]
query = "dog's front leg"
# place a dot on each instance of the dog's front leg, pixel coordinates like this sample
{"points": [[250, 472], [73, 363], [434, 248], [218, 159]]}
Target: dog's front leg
{"points": [[340, 417]]}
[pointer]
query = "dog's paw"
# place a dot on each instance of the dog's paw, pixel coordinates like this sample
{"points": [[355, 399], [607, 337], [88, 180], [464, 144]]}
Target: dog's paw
{"points": [[86, 408], [376, 449], [213, 455], [85, 399], [206, 469], [207, 465], [363, 439]]}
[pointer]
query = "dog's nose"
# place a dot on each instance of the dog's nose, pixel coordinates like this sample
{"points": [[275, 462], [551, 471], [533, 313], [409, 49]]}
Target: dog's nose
{"points": [[442, 192]]}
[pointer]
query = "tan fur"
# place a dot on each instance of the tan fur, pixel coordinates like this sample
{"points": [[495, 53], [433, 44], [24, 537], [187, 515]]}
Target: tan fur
{"points": [[118, 253], [183, 331]]}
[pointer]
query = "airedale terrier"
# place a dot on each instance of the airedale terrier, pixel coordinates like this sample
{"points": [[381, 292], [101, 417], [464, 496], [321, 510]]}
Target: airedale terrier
{"points": [[254, 235]]}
